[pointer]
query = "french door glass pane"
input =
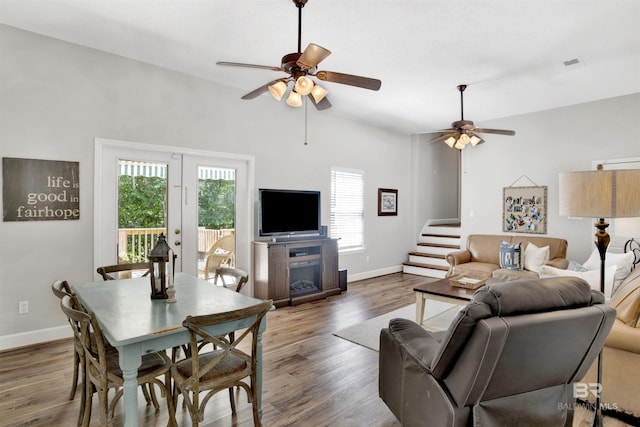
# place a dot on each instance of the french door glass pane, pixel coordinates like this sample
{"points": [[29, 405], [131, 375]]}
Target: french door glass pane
{"points": [[216, 219], [142, 208]]}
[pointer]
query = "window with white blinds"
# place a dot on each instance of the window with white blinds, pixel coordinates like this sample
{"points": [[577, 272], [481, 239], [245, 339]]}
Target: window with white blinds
{"points": [[347, 208]]}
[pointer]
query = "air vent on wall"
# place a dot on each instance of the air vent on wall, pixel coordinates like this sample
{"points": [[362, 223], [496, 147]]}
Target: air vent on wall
{"points": [[574, 63]]}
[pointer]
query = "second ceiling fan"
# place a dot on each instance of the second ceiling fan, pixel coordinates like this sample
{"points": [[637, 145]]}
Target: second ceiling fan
{"points": [[300, 66], [464, 132]]}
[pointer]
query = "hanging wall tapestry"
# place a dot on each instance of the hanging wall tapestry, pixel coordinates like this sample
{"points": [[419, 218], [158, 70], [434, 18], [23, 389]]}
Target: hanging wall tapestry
{"points": [[40, 190], [524, 209]]}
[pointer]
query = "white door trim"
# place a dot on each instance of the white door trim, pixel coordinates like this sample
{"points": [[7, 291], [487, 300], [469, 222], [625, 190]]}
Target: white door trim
{"points": [[102, 143]]}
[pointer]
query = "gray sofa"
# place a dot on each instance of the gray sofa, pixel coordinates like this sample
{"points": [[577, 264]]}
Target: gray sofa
{"points": [[503, 361]]}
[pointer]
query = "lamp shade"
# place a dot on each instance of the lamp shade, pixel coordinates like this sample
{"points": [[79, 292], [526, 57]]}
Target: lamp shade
{"points": [[600, 194]]}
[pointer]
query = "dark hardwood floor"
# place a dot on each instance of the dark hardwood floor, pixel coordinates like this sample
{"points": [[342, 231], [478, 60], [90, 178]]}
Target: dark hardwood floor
{"points": [[311, 377]]}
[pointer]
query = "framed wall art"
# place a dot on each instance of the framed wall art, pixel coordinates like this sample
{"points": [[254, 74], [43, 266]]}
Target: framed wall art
{"points": [[524, 209], [387, 202], [40, 190]]}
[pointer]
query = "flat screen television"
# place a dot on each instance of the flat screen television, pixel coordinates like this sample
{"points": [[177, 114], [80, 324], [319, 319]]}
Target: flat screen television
{"points": [[288, 212]]}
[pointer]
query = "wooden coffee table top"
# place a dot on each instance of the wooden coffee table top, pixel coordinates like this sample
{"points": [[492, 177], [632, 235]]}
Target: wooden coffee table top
{"points": [[443, 288]]}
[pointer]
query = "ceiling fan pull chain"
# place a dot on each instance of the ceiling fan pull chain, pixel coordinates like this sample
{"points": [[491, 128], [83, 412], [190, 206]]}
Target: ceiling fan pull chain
{"points": [[306, 103]]}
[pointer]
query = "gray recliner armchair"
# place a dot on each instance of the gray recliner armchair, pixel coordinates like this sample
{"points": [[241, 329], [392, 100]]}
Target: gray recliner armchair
{"points": [[509, 358]]}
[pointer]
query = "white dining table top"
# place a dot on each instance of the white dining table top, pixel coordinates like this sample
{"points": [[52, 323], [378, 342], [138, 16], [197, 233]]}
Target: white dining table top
{"points": [[127, 313]]}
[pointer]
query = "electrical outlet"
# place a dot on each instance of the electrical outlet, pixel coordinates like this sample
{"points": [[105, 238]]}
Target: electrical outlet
{"points": [[23, 307]]}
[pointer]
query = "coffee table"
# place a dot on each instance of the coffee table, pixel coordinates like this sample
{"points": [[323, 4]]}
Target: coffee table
{"points": [[440, 290]]}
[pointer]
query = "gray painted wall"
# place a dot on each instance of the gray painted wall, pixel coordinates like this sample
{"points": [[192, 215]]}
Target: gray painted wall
{"points": [[56, 98], [546, 143]]}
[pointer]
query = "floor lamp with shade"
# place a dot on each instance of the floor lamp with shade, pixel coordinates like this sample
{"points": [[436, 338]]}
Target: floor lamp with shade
{"points": [[600, 194]]}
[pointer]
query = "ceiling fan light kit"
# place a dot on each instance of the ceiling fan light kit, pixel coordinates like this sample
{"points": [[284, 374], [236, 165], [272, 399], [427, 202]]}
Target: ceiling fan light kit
{"points": [[464, 132], [318, 93], [450, 141], [278, 89], [303, 85], [301, 66], [294, 99]]}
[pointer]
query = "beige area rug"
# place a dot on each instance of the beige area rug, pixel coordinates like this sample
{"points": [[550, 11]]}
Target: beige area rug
{"points": [[438, 315]]}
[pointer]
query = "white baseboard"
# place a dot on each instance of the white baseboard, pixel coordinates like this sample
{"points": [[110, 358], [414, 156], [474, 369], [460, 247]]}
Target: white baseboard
{"points": [[8, 342], [373, 273]]}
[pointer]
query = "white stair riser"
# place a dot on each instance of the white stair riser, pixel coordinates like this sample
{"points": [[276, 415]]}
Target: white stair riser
{"points": [[436, 237], [447, 231], [435, 250], [424, 271], [439, 240], [428, 260]]}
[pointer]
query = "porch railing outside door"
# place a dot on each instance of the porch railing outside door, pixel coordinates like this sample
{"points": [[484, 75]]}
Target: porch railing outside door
{"points": [[135, 243]]}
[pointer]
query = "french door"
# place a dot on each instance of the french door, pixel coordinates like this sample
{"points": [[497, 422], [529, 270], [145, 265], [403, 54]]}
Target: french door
{"points": [[193, 198]]}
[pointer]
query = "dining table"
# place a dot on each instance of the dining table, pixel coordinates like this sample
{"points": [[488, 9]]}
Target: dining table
{"points": [[135, 324]]}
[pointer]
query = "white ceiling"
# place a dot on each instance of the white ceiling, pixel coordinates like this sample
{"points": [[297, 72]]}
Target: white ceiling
{"points": [[509, 52]]}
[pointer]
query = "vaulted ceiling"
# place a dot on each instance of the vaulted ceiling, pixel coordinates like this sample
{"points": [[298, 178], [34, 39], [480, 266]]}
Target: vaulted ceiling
{"points": [[516, 56]]}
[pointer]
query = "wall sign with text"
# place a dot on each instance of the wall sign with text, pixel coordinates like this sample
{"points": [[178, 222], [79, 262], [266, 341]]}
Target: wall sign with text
{"points": [[40, 190]]}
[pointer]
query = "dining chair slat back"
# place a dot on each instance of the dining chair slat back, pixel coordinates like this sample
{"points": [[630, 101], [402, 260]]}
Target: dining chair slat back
{"points": [[231, 278], [60, 289], [226, 366], [124, 271]]}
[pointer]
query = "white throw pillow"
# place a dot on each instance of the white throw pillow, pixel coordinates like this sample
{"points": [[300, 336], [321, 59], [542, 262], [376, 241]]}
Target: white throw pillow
{"points": [[535, 257], [592, 277], [623, 261]]}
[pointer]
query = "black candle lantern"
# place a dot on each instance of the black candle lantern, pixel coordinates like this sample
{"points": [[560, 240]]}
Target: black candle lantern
{"points": [[161, 272]]}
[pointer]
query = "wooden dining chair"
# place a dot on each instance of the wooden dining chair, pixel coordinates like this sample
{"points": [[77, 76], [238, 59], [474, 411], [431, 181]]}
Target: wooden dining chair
{"points": [[123, 271], [127, 271], [223, 368], [102, 367], [231, 278], [61, 289]]}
